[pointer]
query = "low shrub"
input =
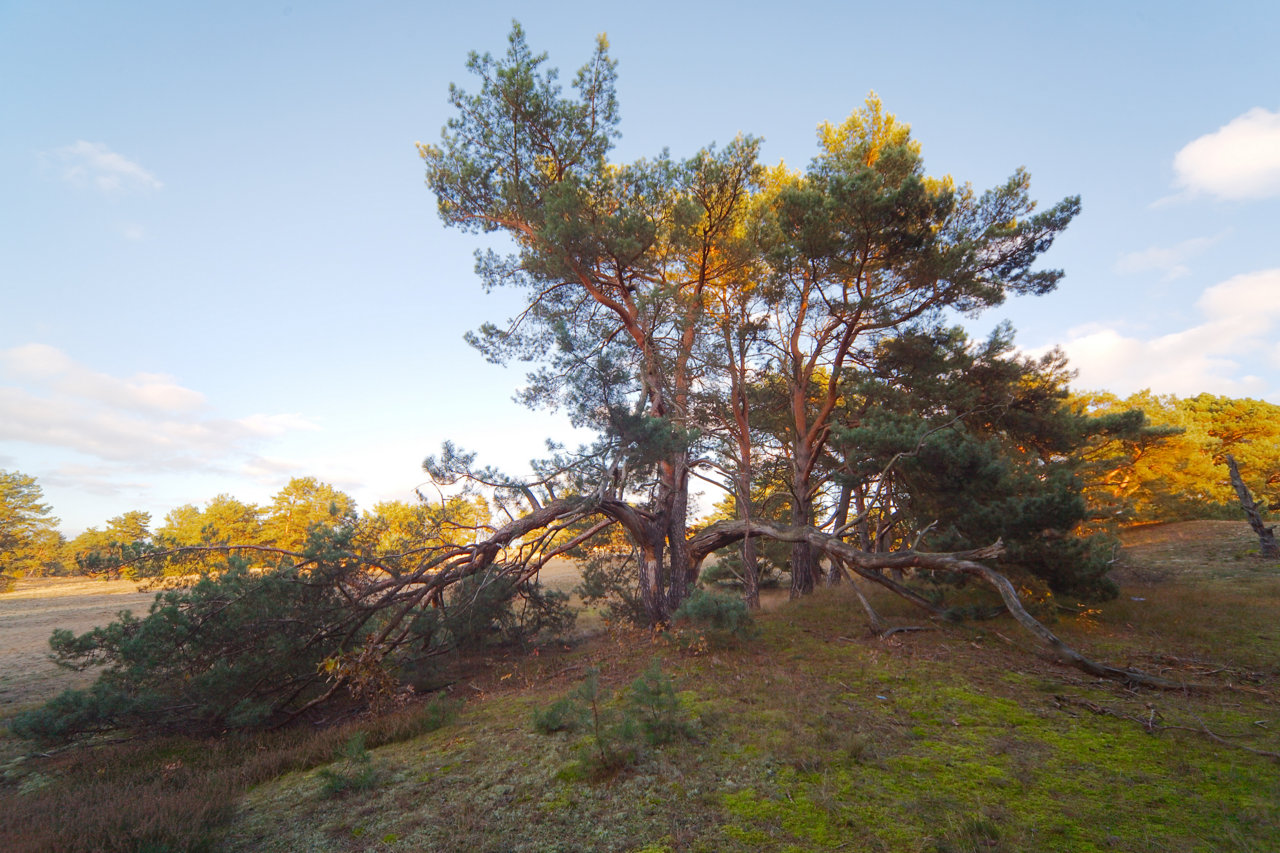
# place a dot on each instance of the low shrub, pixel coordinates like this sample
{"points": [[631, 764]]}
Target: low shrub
{"points": [[493, 610], [652, 698], [614, 725], [562, 715], [610, 582], [234, 651], [353, 770], [715, 613], [245, 648]]}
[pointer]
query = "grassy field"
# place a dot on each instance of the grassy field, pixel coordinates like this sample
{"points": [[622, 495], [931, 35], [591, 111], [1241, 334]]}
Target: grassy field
{"points": [[30, 613], [812, 736]]}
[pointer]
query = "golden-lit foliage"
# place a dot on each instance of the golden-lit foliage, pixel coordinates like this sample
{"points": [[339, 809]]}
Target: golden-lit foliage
{"points": [[1176, 469], [865, 133], [397, 527]]}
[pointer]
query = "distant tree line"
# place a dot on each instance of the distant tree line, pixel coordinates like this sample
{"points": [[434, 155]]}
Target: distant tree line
{"points": [[32, 546], [1138, 459]]}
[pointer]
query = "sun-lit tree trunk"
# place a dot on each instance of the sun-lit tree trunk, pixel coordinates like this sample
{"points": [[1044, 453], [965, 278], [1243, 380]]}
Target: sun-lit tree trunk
{"points": [[1266, 535]]}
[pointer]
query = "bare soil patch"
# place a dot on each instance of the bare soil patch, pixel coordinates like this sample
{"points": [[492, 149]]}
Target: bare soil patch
{"points": [[28, 616]]}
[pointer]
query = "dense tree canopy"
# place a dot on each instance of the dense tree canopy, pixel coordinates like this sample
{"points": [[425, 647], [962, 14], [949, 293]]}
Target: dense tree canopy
{"points": [[28, 532], [656, 289], [1175, 467]]}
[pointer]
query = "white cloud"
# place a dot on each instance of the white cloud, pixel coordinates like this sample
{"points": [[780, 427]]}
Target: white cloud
{"points": [[1170, 261], [1224, 353], [94, 164], [147, 422], [154, 392], [1237, 161], [133, 231], [271, 469], [99, 480]]}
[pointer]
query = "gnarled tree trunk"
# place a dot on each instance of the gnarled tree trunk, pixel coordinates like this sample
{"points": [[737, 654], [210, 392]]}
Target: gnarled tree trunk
{"points": [[1266, 535], [870, 566]]}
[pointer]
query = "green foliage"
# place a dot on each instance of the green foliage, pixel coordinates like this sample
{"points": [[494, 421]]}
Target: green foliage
{"points": [[614, 725], [652, 697], [562, 715], [609, 581], [301, 505], [224, 520], [493, 609], [1173, 468], [715, 613], [236, 650], [353, 769], [980, 446], [396, 531], [728, 568], [132, 526], [611, 731], [246, 646]]}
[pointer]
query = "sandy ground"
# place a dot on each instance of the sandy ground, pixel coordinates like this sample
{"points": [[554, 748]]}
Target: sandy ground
{"points": [[31, 612], [560, 574], [1188, 550], [37, 606]]}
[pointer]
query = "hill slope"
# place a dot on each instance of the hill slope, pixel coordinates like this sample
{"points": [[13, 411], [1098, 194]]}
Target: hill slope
{"points": [[816, 737], [811, 736]]}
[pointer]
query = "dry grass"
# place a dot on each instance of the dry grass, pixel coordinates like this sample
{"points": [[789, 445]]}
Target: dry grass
{"points": [[31, 612], [172, 793], [1190, 550]]}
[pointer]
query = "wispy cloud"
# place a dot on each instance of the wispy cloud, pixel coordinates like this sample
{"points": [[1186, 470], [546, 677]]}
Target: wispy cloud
{"points": [[93, 164], [1236, 334], [100, 480], [1170, 261], [1240, 160], [146, 422], [53, 368]]}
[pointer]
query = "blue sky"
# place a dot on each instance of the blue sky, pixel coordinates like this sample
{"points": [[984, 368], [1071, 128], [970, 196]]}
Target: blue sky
{"points": [[221, 268]]}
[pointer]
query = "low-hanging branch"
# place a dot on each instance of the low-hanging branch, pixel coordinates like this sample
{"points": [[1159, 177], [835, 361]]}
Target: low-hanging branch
{"points": [[381, 596], [870, 566], [444, 567]]}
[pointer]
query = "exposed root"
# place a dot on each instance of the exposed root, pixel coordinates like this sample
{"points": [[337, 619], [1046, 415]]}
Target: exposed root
{"points": [[884, 635]]}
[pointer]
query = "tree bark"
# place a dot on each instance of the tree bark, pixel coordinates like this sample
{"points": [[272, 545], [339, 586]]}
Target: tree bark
{"points": [[750, 573], [1266, 535], [803, 563], [649, 535], [870, 566]]}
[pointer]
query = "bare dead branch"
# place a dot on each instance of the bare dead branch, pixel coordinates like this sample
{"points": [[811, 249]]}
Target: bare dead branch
{"points": [[963, 562]]}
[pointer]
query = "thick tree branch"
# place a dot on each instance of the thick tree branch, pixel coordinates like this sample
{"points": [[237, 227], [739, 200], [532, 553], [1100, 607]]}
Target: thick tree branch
{"points": [[962, 562]]}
